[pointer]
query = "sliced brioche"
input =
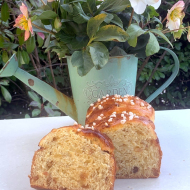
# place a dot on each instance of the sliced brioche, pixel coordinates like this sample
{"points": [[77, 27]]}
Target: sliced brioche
{"points": [[74, 158], [137, 150], [116, 103]]}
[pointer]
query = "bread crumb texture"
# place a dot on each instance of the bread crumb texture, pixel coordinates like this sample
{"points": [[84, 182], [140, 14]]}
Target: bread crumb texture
{"points": [[68, 160], [137, 150]]}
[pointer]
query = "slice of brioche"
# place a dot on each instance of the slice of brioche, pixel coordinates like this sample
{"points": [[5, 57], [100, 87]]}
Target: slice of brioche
{"points": [[73, 158], [116, 103], [137, 150]]}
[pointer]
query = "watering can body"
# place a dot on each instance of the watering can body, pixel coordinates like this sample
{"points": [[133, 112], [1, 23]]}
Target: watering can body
{"points": [[118, 76]]}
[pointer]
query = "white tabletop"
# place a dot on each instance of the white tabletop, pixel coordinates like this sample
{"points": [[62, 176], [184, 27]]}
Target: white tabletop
{"points": [[19, 139]]}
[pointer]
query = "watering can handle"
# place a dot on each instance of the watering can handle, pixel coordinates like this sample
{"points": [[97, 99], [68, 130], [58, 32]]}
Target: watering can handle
{"points": [[172, 77]]}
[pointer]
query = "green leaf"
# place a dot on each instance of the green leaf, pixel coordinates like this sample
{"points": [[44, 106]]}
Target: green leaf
{"points": [[36, 3], [94, 24], [27, 116], [111, 32], [134, 31], [40, 41], [9, 34], [183, 104], [20, 35], [99, 54], [117, 51], [20, 58], [178, 46], [78, 14], [49, 111], [35, 104], [67, 8], [75, 1], [78, 43], [66, 38], [91, 6], [82, 60], [152, 12], [60, 52], [35, 17], [178, 34], [30, 44], [137, 17], [57, 113], [146, 91], [108, 18], [154, 19], [25, 57], [159, 33], [114, 6], [41, 25], [47, 15], [5, 56], [1, 41], [9, 45], [116, 20], [152, 46], [162, 75], [6, 94], [47, 41], [156, 75], [4, 12], [157, 101], [4, 82], [77, 59], [34, 96], [36, 112], [49, 105]]}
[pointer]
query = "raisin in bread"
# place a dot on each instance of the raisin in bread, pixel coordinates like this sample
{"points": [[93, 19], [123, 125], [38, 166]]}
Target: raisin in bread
{"points": [[116, 103], [137, 150], [74, 158]]}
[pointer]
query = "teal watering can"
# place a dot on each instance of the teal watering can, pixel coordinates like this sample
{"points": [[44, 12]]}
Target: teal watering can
{"points": [[118, 76]]}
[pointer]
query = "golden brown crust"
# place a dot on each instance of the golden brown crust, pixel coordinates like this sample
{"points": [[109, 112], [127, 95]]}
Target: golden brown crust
{"points": [[115, 123], [94, 136], [104, 141], [115, 103]]}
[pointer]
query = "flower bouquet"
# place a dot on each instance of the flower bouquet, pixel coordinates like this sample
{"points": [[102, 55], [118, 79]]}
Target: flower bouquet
{"points": [[91, 31]]}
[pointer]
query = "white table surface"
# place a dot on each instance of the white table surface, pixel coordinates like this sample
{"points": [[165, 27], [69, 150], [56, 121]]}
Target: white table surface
{"points": [[19, 139]]}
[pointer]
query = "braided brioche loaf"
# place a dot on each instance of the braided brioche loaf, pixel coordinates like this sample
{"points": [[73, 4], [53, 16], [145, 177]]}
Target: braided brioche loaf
{"points": [[116, 103], [74, 158], [137, 150]]}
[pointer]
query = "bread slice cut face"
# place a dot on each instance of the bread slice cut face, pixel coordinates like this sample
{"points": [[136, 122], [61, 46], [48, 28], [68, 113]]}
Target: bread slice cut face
{"points": [[73, 158], [137, 150]]}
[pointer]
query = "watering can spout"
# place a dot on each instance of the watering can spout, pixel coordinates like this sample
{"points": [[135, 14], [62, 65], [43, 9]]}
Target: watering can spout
{"points": [[60, 100]]}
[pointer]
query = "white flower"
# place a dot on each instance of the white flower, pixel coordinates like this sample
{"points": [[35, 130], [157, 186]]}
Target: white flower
{"points": [[139, 6], [175, 16]]}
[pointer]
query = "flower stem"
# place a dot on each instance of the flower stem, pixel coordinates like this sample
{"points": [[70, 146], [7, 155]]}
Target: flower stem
{"points": [[164, 19], [43, 2], [43, 29], [167, 30], [131, 17]]}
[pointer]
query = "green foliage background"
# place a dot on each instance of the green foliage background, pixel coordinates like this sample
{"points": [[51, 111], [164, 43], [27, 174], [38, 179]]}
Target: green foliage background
{"points": [[16, 100]]}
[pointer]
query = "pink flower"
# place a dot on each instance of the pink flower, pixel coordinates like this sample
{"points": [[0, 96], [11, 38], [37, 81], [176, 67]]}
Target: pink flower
{"points": [[188, 34], [175, 16], [23, 22], [41, 35], [139, 6]]}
